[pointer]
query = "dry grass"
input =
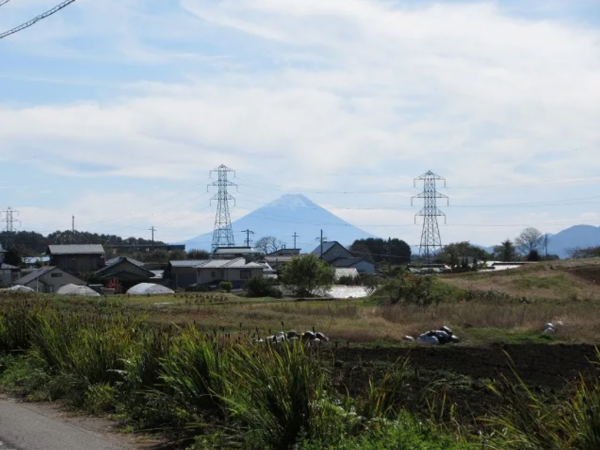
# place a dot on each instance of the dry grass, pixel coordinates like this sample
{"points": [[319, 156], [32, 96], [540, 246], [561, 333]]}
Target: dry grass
{"points": [[556, 280], [357, 321]]}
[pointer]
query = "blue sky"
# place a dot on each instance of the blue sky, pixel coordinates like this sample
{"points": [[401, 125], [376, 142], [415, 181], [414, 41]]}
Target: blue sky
{"points": [[115, 111]]}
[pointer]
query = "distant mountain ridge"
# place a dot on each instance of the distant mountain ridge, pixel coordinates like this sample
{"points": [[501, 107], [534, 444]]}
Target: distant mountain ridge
{"points": [[561, 243], [578, 236], [289, 214]]}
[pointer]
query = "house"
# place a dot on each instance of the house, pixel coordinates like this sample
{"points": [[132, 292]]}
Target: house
{"points": [[338, 256], [145, 248], [249, 253], [237, 271], [332, 251], [282, 256], [180, 274], [362, 265], [48, 279], [9, 274], [77, 259], [127, 270]]}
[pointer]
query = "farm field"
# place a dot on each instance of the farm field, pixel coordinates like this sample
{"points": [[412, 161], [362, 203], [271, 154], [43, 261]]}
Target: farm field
{"points": [[499, 318]]}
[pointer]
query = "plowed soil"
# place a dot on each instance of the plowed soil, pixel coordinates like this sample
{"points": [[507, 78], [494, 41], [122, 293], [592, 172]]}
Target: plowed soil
{"points": [[463, 374]]}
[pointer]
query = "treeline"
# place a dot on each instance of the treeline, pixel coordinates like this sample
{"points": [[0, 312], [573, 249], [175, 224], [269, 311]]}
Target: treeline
{"points": [[31, 243]]}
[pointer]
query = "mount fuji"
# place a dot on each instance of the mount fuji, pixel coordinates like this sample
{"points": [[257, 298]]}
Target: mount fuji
{"points": [[289, 214]]}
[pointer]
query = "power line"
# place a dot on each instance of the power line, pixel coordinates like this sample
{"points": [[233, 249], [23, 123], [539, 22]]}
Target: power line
{"points": [[430, 237], [223, 231], [4, 2], [36, 19]]}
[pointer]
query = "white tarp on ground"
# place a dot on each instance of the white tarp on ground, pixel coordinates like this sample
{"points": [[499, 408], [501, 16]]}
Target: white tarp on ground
{"points": [[73, 289], [20, 288], [149, 288]]}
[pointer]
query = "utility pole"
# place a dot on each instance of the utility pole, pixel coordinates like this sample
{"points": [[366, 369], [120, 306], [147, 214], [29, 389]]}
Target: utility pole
{"points": [[389, 254], [248, 233], [295, 236], [223, 231], [73, 224], [152, 229], [431, 241], [546, 245], [321, 244]]}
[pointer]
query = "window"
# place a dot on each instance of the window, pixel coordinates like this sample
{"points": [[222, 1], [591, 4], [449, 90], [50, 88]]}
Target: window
{"points": [[245, 274], [213, 274], [56, 275]]}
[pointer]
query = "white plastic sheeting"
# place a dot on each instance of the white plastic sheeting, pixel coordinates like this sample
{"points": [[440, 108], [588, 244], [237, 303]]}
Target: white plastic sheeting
{"points": [[149, 288], [20, 288], [73, 289]]}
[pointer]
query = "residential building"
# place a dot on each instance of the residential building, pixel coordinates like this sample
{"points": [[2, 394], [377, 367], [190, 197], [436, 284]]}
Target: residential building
{"points": [[331, 251], [338, 256], [8, 274], [237, 271], [77, 259], [277, 259], [48, 279], [181, 274], [127, 270], [141, 248], [362, 265], [249, 253]]}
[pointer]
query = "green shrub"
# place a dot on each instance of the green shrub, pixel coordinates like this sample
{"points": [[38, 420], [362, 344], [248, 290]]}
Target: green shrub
{"points": [[261, 286], [279, 396], [306, 274], [410, 289], [100, 398], [192, 372], [226, 286], [404, 433]]}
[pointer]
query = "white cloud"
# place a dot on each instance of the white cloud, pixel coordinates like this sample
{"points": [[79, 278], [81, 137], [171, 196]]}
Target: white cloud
{"points": [[375, 92]]}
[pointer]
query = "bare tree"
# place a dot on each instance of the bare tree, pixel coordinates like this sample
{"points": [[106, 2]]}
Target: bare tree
{"points": [[269, 244], [529, 240]]}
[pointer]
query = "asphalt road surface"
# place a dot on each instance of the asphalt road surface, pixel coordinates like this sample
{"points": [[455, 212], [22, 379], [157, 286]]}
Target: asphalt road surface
{"points": [[27, 426]]}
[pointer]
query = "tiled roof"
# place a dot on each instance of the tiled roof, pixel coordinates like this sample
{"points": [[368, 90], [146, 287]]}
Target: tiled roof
{"points": [[35, 274], [346, 262], [326, 247], [189, 263], [238, 263], [118, 259], [86, 249], [113, 262]]}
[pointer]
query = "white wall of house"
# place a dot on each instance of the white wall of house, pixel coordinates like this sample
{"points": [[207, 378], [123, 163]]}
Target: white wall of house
{"points": [[208, 275]]}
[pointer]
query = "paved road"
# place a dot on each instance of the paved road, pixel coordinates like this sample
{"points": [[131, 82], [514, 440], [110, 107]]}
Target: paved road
{"points": [[26, 426]]}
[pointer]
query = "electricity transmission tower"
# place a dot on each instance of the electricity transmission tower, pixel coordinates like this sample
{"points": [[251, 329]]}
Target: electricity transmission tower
{"points": [[9, 218], [431, 241], [223, 232]]}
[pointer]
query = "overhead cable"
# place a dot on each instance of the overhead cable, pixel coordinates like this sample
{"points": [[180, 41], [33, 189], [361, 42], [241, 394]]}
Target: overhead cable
{"points": [[35, 19]]}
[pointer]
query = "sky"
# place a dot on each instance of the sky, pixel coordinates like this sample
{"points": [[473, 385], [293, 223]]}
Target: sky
{"points": [[115, 111]]}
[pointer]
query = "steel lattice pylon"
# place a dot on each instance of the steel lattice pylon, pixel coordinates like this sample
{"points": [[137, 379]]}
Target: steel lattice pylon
{"points": [[223, 232], [431, 241]]}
